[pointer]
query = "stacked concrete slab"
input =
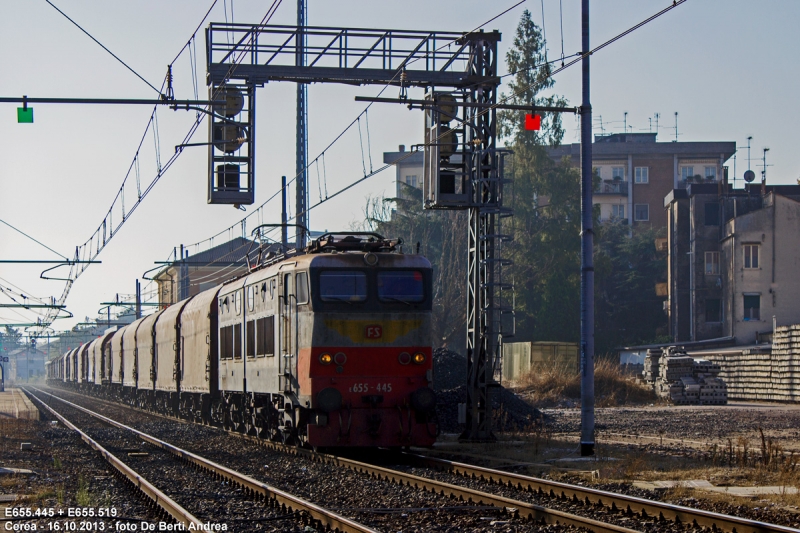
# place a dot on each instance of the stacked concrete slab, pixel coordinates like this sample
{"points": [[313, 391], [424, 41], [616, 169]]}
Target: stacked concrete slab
{"points": [[769, 373], [684, 380]]}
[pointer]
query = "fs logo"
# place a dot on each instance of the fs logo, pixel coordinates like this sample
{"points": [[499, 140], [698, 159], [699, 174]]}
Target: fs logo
{"points": [[373, 332]]}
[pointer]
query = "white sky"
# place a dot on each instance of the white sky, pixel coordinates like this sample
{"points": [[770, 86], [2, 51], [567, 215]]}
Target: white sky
{"points": [[727, 67]]}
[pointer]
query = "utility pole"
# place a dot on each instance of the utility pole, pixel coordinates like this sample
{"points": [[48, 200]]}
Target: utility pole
{"points": [[138, 300], [587, 245], [284, 236], [301, 156]]}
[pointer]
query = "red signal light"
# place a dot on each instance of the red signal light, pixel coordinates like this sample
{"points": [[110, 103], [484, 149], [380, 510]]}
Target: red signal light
{"points": [[533, 122]]}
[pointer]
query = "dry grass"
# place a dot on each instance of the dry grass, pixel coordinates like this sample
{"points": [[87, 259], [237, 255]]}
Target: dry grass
{"points": [[551, 385]]}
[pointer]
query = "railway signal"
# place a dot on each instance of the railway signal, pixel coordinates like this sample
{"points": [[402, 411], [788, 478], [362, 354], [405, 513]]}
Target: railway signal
{"points": [[231, 151]]}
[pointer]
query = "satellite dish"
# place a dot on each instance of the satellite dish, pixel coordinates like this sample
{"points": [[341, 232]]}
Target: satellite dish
{"points": [[749, 176]]}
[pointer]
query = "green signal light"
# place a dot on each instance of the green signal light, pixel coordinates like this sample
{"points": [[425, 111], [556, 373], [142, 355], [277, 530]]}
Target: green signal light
{"points": [[25, 115]]}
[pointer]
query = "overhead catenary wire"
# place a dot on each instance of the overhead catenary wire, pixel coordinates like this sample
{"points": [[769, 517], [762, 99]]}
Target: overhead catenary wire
{"points": [[106, 223], [106, 49], [31, 238]]}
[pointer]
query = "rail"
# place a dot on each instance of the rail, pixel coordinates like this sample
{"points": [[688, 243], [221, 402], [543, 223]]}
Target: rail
{"points": [[323, 516], [159, 498], [619, 502]]}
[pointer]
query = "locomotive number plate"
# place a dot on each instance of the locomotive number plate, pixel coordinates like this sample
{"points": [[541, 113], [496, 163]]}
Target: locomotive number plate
{"points": [[365, 387], [373, 332]]}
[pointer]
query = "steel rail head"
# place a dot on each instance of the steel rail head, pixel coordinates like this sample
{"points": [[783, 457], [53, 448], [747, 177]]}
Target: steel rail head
{"points": [[641, 506], [327, 518], [159, 498], [517, 508]]}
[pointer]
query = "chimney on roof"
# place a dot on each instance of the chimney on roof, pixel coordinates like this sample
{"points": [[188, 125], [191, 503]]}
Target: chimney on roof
{"points": [[402, 148]]}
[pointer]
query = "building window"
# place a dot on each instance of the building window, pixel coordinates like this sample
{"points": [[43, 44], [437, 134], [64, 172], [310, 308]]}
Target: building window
{"points": [[711, 173], [618, 211], [686, 173], [642, 175], [752, 307], [641, 212], [751, 255], [618, 173], [713, 310], [411, 180], [712, 262], [712, 214]]}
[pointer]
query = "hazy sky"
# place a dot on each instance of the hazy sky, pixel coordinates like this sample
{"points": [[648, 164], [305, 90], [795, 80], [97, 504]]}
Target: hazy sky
{"points": [[727, 67]]}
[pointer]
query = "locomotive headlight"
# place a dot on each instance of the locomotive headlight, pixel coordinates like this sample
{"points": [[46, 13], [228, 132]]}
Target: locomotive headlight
{"points": [[404, 358], [419, 358], [340, 358], [325, 359]]}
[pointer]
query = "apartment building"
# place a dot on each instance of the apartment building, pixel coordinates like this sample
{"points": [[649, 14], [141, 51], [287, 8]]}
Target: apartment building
{"points": [[636, 172], [733, 260]]}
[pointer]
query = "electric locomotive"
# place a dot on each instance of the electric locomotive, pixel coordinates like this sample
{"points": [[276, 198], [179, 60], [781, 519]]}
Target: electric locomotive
{"points": [[326, 348]]}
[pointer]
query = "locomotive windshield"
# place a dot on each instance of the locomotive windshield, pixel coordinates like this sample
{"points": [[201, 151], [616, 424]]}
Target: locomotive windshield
{"points": [[401, 286], [342, 286]]}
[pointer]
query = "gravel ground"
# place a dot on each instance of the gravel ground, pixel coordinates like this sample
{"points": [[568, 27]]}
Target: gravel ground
{"points": [[67, 474], [690, 427], [380, 504]]}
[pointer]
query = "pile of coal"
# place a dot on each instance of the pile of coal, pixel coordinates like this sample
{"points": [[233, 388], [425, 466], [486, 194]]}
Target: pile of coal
{"points": [[512, 413]]}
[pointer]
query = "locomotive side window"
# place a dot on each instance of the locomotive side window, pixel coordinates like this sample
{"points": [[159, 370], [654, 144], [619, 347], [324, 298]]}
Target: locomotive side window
{"points": [[237, 302], [250, 344], [265, 335], [342, 286], [401, 286], [301, 286], [237, 341], [226, 342], [287, 288], [251, 297]]}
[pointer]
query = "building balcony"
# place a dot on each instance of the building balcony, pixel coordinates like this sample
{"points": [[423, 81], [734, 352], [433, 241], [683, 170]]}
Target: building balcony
{"points": [[682, 183], [619, 188]]}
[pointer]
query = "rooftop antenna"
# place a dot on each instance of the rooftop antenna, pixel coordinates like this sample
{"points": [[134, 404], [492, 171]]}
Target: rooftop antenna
{"points": [[676, 127], [650, 119], [625, 128], [764, 164], [657, 116], [748, 151]]}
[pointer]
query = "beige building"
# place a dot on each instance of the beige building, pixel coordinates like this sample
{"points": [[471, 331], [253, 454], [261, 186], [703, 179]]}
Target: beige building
{"points": [[734, 258], [761, 250]]}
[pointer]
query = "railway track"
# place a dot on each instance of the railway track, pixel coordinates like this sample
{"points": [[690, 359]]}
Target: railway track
{"points": [[516, 511], [639, 513], [307, 512]]}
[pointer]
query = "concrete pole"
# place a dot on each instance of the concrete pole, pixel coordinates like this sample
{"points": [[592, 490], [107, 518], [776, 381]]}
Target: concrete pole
{"points": [[587, 260]]}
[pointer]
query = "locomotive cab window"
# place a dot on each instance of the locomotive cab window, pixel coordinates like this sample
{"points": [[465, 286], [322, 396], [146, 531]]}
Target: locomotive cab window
{"points": [[406, 286], [301, 287], [342, 286]]}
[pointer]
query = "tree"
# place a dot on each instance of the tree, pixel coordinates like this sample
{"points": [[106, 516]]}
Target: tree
{"points": [[527, 60], [545, 198], [627, 310], [11, 339]]}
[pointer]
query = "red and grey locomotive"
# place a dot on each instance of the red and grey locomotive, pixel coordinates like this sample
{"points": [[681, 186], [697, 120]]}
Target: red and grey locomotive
{"points": [[328, 348]]}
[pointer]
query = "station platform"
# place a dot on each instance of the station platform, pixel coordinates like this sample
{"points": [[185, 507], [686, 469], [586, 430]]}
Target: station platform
{"points": [[14, 404]]}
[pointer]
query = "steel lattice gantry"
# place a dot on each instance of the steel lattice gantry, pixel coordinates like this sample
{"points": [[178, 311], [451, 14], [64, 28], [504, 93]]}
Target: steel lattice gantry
{"points": [[463, 63]]}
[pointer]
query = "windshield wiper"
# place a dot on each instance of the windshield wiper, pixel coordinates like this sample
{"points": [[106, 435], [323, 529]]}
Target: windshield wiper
{"points": [[338, 299], [392, 298]]}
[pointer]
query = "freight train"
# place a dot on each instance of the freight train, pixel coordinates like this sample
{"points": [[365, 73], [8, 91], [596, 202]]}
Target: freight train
{"points": [[329, 347]]}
